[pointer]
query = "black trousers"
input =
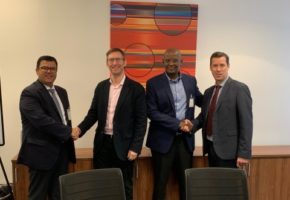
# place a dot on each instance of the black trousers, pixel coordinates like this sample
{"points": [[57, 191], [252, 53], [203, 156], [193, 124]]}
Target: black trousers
{"points": [[215, 161], [178, 158], [107, 158], [44, 184]]}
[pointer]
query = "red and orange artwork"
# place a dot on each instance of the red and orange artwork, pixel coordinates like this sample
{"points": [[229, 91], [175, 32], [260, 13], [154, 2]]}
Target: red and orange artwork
{"points": [[145, 30]]}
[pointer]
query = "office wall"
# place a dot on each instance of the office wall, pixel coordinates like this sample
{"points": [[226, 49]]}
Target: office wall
{"points": [[254, 33]]}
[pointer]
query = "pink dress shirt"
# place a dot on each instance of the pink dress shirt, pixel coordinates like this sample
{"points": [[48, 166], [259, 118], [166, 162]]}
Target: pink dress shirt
{"points": [[114, 94]]}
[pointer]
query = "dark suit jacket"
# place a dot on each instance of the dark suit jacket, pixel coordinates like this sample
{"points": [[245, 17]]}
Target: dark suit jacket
{"points": [[129, 123], [232, 121], [161, 111], [44, 135]]}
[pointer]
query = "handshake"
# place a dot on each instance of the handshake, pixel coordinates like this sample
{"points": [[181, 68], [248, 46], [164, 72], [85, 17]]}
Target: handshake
{"points": [[185, 126], [75, 134]]}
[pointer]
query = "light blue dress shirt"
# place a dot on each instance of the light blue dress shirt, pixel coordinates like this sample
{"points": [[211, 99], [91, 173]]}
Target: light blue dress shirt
{"points": [[179, 96]]}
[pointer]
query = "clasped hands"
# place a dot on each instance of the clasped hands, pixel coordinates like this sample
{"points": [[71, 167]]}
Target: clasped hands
{"points": [[186, 126], [75, 134]]}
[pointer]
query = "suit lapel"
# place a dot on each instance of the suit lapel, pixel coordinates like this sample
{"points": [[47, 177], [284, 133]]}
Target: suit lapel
{"points": [[44, 92], [46, 96], [223, 93], [105, 98], [124, 93], [208, 98], [187, 89], [168, 91]]}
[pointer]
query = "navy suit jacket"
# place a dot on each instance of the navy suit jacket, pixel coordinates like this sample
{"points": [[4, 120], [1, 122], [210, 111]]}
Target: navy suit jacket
{"points": [[129, 123], [232, 121], [161, 111], [44, 134]]}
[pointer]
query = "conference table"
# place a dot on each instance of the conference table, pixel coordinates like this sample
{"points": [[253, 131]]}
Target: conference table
{"points": [[268, 175]]}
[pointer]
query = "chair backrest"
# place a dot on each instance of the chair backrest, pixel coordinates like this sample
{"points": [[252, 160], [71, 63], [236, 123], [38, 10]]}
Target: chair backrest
{"points": [[216, 184], [98, 184]]}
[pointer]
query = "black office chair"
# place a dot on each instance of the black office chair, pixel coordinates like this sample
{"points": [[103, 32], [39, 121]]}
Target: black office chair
{"points": [[96, 184], [216, 184]]}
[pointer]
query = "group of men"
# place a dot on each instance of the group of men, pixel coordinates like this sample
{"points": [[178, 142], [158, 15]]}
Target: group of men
{"points": [[121, 106]]}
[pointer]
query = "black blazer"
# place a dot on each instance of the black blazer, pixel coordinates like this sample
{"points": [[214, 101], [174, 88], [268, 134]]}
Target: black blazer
{"points": [[43, 133], [129, 123]]}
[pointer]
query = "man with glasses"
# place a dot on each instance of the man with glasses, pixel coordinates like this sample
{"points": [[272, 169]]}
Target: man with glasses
{"points": [[47, 145], [171, 98], [119, 108]]}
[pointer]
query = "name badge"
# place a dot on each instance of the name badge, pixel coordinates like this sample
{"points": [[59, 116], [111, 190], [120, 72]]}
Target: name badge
{"points": [[68, 114], [191, 102]]}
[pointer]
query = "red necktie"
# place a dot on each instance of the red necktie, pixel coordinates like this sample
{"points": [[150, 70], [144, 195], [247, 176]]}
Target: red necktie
{"points": [[211, 110]]}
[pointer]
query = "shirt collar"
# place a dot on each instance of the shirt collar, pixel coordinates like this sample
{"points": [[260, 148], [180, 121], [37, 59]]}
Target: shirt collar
{"points": [[48, 88], [224, 82], [122, 81], [174, 80]]}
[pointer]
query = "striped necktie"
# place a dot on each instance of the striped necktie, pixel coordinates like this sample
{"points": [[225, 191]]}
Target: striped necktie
{"points": [[56, 102]]}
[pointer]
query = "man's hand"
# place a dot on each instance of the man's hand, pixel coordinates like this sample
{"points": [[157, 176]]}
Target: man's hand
{"points": [[75, 133], [186, 125], [242, 161], [131, 155]]}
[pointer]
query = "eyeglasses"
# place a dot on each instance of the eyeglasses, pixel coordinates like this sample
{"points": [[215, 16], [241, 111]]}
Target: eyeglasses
{"points": [[52, 69], [118, 60]]}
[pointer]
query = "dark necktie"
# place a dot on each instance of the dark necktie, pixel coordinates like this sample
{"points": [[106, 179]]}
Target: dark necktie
{"points": [[53, 95], [211, 111]]}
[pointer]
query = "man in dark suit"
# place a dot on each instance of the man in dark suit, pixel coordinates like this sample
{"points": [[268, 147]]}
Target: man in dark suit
{"points": [[171, 98], [228, 122], [119, 108], [47, 145]]}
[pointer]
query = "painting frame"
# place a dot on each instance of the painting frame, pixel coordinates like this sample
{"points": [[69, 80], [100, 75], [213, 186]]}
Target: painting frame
{"points": [[2, 138]]}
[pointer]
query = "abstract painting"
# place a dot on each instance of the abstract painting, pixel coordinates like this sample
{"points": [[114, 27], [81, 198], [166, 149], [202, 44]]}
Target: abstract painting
{"points": [[145, 30]]}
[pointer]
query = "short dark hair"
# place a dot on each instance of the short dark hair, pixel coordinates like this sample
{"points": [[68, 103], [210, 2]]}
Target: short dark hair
{"points": [[115, 50], [46, 58], [219, 54]]}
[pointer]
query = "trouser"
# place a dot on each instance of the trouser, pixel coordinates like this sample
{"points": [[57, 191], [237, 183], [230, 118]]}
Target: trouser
{"points": [[107, 158], [179, 159], [44, 184], [215, 161]]}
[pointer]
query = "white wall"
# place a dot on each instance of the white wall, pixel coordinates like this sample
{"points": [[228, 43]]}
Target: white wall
{"points": [[77, 32]]}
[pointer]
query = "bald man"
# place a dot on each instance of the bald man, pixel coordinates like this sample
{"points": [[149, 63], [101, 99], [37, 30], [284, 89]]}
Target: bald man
{"points": [[171, 98]]}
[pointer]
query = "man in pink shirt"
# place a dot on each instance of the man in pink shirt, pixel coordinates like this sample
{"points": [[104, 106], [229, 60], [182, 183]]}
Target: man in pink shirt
{"points": [[119, 108]]}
